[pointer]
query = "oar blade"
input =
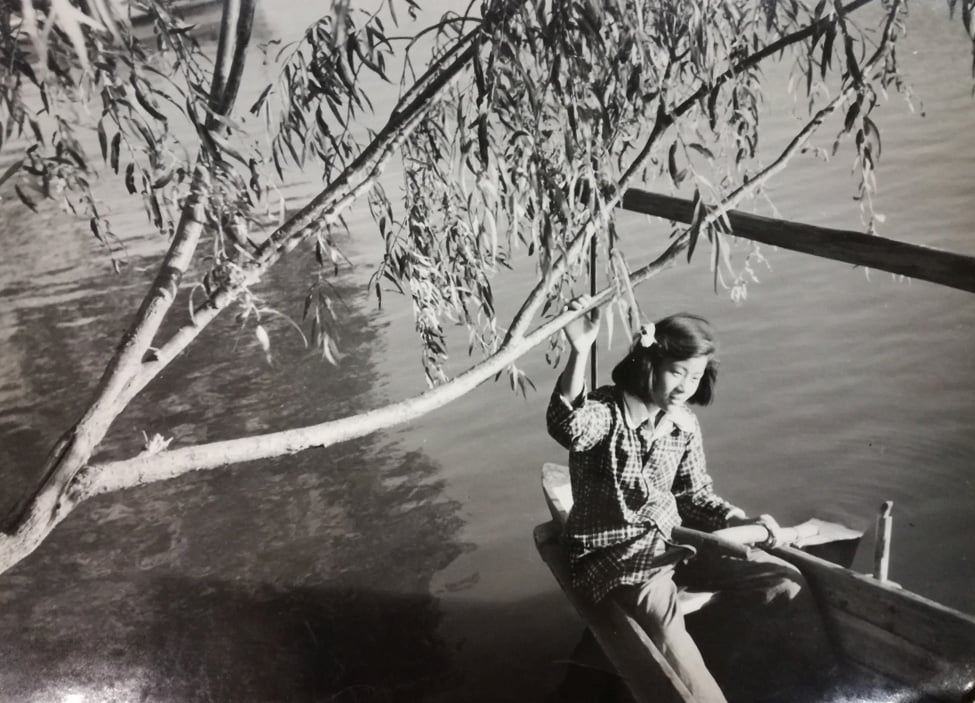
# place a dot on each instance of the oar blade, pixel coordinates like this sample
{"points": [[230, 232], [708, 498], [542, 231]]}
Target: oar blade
{"points": [[825, 531], [830, 541]]}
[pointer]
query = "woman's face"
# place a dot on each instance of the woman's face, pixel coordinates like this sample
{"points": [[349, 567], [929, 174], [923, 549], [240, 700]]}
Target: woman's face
{"points": [[674, 382]]}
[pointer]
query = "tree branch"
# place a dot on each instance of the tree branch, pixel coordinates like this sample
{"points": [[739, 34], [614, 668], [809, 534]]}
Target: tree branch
{"points": [[401, 123], [331, 202], [534, 300], [663, 121], [128, 375], [580, 241], [235, 33], [797, 142], [325, 208], [720, 210], [148, 468], [166, 464], [753, 60], [74, 448]]}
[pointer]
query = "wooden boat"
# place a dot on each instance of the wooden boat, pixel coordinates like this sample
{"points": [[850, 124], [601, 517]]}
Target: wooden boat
{"points": [[911, 647]]}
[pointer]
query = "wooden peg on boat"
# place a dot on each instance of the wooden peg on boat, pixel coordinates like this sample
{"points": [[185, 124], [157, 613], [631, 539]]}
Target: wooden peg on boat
{"points": [[881, 554]]}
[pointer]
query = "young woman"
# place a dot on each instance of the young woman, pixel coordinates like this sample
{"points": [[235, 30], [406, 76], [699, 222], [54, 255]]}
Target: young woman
{"points": [[637, 466]]}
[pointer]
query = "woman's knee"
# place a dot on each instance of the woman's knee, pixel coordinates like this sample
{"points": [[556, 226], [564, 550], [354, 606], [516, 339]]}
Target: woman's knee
{"points": [[785, 586], [656, 606], [777, 578]]}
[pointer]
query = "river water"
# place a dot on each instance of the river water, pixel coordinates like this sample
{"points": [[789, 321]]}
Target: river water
{"points": [[400, 567]]}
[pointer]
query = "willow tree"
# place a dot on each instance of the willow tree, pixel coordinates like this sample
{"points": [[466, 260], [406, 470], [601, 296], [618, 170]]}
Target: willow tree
{"points": [[518, 135]]}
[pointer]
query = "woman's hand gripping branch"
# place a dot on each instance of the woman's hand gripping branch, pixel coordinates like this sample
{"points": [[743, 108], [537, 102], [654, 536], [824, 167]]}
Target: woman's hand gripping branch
{"points": [[581, 333]]}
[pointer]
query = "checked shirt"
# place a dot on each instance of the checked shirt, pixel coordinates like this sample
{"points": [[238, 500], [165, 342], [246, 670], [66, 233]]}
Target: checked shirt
{"points": [[631, 486]]}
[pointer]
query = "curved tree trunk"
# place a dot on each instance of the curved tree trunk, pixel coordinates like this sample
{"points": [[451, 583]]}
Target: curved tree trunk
{"points": [[128, 372], [150, 467], [74, 448]]}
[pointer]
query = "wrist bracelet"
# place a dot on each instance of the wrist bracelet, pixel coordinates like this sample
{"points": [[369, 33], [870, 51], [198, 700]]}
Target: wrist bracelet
{"points": [[770, 524]]}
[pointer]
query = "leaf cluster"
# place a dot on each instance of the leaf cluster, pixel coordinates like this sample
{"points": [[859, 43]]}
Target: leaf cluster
{"points": [[557, 112]]}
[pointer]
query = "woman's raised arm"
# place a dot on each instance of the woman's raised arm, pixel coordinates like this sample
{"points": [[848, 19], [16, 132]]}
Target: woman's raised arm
{"points": [[581, 333]]}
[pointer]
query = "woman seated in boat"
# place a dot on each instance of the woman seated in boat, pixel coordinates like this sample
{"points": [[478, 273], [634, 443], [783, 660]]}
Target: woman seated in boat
{"points": [[637, 466]]}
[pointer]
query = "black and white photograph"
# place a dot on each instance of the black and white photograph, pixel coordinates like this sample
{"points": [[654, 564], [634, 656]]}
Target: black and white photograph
{"points": [[495, 351]]}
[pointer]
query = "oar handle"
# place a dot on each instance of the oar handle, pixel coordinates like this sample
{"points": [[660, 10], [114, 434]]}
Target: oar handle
{"points": [[757, 533], [710, 541], [736, 541]]}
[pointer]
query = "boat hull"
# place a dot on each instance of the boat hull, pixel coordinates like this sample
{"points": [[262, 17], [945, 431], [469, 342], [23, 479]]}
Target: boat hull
{"points": [[907, 647]]}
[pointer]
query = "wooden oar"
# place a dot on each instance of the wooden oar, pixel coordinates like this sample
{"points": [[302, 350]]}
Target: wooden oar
{"points": [[738, 540]]}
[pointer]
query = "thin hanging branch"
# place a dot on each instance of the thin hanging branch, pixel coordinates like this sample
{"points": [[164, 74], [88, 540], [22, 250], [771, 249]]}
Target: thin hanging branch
{"points": [[778, 164], [663, 121], [326, 208]]}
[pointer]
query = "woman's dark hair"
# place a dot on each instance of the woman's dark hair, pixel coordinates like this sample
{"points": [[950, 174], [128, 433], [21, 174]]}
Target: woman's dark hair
{"points": [[678, 338]]}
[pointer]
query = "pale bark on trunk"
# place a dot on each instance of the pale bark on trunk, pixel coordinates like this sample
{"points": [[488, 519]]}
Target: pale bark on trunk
{"points": [[129, 371], [74, 448]]}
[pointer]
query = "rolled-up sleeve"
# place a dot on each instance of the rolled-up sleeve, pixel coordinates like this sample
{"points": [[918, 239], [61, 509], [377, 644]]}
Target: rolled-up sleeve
{"points": [[698, 505], [578, 425]]}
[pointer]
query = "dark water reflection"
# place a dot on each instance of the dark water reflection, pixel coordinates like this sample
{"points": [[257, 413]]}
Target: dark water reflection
{"points": [[328, 595], [47, 359], [303, 578]]}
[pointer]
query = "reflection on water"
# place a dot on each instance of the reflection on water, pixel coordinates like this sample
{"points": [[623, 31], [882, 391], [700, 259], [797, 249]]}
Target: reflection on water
{"points": [[302, 578], [316, 589]]}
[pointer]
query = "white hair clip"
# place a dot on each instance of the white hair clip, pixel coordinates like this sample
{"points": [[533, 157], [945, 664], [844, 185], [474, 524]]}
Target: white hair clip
{"points": [[647, 335]]}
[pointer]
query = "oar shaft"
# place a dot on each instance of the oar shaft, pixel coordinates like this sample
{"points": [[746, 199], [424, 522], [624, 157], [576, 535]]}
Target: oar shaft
{"points": [[737, 540]]}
